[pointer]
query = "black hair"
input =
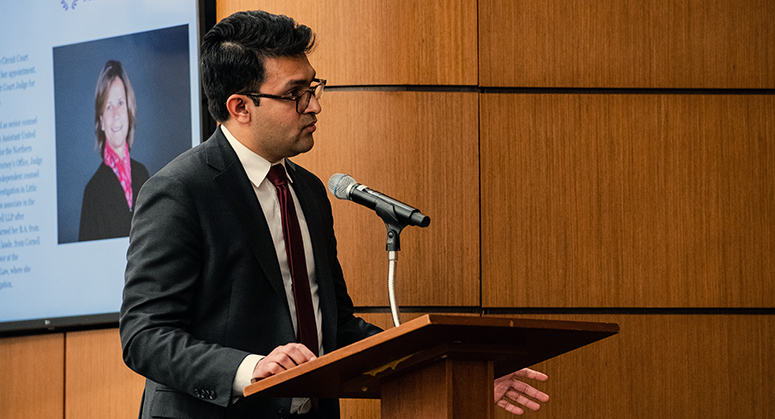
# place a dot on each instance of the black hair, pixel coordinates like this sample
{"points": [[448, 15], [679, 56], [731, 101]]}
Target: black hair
{"points": [[234, 51]]}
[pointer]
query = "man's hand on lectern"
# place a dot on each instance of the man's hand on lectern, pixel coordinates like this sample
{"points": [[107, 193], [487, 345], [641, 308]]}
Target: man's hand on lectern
{"points": [[511, 391], [280, 359]]}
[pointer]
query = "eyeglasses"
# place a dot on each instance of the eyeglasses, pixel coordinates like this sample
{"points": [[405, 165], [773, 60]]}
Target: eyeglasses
{"points": [[302, 99]]}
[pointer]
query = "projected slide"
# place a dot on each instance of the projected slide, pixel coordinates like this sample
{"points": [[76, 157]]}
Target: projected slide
{"points": [[100, 98]]}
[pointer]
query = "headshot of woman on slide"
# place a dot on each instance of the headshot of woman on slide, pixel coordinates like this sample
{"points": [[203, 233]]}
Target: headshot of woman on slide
{"points": [[109, 197]]}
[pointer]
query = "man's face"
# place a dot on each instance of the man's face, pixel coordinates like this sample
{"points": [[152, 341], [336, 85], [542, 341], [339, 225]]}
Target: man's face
{"points": [[279, 131]]}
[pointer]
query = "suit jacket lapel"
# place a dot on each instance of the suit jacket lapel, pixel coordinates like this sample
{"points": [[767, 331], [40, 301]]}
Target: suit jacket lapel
{"points": [[236, 187]]}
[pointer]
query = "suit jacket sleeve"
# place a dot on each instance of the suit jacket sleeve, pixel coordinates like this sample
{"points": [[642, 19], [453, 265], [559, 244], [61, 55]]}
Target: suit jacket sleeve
{"points": [[162, 316]]}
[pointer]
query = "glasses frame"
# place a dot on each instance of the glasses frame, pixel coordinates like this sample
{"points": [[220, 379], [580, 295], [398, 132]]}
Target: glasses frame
{"points": [[316, 90]]}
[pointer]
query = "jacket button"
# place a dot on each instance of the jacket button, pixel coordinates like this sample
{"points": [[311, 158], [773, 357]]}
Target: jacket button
{"points": [[281, 412]]}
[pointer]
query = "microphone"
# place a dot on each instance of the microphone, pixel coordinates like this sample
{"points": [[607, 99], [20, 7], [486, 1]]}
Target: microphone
{"points": [[345, 187]]}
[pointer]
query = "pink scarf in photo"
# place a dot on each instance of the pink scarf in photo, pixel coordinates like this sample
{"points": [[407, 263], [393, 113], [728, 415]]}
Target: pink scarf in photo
{"points": [[122, 169]]}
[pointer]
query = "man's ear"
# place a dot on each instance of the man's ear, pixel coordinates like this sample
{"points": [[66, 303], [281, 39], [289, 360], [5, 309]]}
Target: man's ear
{"points": [[238, 108]]}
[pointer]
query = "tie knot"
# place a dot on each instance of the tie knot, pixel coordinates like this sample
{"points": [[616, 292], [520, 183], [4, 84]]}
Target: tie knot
{"points": [[277, 176]]}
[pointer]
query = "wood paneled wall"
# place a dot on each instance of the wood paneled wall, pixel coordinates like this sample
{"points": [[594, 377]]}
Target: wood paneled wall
{"points": [[423, 151], [666, 366], [628, 200], [384, 42], [722, 44], [97, 383], [67, 375], [584, 156], [32, 371]]}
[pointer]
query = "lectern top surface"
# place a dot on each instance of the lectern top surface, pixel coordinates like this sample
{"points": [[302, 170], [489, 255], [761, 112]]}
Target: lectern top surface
{"points": [[357, 370]]}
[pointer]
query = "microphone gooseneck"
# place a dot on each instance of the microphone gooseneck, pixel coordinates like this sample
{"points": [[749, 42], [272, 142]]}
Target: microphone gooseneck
{"points": [[393, 212]]}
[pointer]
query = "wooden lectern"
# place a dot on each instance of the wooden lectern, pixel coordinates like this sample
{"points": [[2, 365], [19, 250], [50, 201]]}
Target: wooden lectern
{"points": [[436, 366]]}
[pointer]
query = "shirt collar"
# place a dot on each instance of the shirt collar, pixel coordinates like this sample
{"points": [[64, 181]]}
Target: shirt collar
{"points": [[255, 166]]}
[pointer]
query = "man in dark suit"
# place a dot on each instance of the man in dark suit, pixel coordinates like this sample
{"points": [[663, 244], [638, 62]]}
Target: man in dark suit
{"points": [[208, 301], [212, 298]]}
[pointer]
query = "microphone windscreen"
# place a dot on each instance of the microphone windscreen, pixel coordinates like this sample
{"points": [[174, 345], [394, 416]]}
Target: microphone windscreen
{"points": [[339, 184]]}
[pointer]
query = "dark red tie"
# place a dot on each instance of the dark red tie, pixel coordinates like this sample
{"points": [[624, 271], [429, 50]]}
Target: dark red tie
{"points": [[297, 262]]}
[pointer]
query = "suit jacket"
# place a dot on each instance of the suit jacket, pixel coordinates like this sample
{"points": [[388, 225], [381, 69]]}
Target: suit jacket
{"points": [[104, 211], [204, 289]]}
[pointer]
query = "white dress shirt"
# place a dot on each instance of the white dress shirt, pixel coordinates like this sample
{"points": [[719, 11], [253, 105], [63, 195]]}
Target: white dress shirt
{"points": [[257, 168]]}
